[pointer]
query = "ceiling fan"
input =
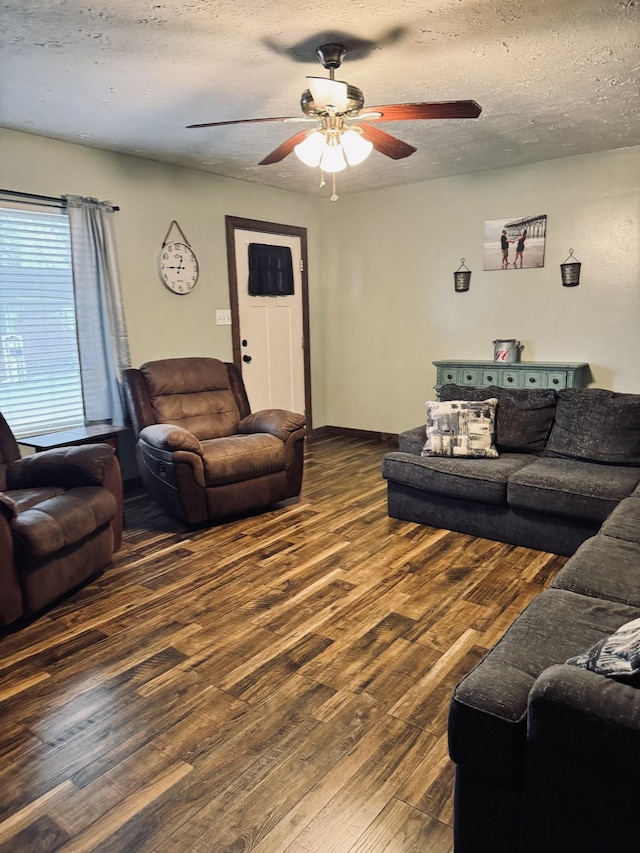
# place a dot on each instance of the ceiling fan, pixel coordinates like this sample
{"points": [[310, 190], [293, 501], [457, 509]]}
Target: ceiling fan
{"points": [[336, 141]]}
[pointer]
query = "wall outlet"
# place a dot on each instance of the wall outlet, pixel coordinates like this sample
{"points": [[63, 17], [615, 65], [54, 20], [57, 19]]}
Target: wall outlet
{"points": [[223, 317]]}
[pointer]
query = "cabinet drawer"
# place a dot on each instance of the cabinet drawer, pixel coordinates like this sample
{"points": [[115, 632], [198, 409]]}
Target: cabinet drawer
{"points": [[557, 380], [447, 375], [511, 379], [533, 379], [491, 377], [469, 376]]}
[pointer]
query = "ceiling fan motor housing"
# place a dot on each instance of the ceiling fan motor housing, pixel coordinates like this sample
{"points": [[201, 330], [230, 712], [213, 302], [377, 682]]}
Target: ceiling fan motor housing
{"points": [[331, 55]]}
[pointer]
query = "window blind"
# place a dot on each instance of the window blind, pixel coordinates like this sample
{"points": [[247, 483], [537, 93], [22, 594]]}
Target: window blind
{"points": [[40, 388]]}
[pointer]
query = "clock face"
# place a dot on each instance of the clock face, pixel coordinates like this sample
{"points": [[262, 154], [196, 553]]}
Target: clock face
{"points": [[178, 267]]}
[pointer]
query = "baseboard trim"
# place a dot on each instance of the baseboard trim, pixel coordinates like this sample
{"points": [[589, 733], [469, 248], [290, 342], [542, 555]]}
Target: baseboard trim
{"points": [[371, 435]]}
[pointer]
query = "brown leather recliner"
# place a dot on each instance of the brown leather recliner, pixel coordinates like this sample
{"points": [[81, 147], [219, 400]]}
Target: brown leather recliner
{"points": [[202, 455], [60, 521]]}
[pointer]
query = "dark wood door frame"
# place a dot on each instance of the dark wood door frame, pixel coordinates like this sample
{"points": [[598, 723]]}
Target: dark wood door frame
{"points": [[237, 223]]}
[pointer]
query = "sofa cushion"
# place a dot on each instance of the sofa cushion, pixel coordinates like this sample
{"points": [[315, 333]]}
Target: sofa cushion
{"points": [[61, 521], [242, 457], [571, 488], [617, 656], [603, 567], [470, 479], [523, 416], [624, 521], [461, 428], [487, 717], [596, 425]]}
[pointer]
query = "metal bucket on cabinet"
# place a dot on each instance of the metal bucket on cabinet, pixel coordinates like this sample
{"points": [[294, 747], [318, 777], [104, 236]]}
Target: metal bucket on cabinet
{"points": [[506, 350]]}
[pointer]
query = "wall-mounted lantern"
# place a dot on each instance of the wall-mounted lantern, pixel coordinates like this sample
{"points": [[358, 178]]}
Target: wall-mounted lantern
{"points": [[461, 278], [570, 271]]}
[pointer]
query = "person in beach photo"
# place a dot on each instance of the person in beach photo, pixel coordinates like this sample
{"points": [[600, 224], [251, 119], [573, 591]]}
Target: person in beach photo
{"points": [[520, 248], [504, 245]]}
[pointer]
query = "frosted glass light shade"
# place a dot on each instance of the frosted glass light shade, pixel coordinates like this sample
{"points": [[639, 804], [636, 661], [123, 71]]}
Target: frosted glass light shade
{"points": [[333, 159], [311, 148], [356, 148], [328, 93]]}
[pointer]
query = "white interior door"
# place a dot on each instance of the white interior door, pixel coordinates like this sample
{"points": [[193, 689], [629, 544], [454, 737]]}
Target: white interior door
{"points": [[271, 331]]}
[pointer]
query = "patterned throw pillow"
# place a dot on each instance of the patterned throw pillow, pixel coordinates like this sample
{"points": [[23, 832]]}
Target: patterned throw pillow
{"points": [[461, 428], [617, 656]]}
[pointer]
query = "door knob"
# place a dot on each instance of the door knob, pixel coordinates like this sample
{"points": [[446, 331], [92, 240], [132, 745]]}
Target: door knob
{"points": [[246, 358]]}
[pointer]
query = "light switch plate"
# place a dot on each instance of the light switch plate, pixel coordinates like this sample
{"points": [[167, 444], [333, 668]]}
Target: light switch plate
{"points": [[223, 317]]}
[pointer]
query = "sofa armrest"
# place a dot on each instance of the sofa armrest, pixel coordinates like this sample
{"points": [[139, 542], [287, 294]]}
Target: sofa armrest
{"points": [[413, 440], [587, 704], [582, 755], [278, 422], [169, 437], [82, 465]]}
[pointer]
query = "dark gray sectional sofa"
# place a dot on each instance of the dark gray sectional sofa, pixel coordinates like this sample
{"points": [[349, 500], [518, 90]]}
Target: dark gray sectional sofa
{"points": [[566, 460], [546, 752]]}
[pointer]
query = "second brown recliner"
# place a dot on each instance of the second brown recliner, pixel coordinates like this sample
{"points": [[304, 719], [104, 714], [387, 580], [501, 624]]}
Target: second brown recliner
{"points": [[201, 453], [60, 522]]}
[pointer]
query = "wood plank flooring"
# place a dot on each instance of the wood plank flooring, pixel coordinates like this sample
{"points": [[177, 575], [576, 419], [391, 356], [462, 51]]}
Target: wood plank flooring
{"points": [[275, 684]]}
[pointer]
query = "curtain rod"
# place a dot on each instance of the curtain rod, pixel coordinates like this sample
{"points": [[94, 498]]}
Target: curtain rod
{"points": [[35, 197]]}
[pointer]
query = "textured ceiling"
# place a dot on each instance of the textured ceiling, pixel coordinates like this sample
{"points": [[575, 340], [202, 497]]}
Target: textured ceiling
{"points": [[554, 78]]}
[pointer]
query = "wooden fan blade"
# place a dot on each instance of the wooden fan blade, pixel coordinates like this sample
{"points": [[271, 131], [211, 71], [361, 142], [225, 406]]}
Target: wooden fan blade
{"points": [[409, 112], [385, 143], [241, 121], [285, 148]]}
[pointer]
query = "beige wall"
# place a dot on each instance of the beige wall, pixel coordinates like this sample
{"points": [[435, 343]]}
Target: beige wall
{"points": [[150, 195], [390, 307], [381, 269]]}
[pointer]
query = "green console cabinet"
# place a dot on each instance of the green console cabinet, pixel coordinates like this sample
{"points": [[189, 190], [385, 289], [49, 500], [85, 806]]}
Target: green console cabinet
{"points": [[519, 374]]}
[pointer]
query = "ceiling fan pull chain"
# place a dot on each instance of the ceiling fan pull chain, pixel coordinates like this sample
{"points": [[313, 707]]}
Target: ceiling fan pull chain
{"points": [[322, 180], [334, 197]]}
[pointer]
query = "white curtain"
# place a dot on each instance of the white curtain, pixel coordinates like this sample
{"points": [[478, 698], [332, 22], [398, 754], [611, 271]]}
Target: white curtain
{"points": [[102, 334]]}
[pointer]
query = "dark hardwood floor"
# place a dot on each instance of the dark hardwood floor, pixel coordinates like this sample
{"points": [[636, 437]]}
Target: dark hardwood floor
{"points": [[278, 683]]}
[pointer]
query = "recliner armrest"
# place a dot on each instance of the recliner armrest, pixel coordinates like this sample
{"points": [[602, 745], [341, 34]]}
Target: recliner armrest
{"points": [[83, 465], [170, 437], [7, 507], [278, 422]]}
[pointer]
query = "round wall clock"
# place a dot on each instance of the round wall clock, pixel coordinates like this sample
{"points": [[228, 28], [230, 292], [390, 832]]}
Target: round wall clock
{"points": [[178, 267]]}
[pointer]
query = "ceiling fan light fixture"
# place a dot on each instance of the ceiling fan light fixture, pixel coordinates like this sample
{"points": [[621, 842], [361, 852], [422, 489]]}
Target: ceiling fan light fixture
{"points": [[329, 94], [333, 158], [356, 148], [311, 148]]}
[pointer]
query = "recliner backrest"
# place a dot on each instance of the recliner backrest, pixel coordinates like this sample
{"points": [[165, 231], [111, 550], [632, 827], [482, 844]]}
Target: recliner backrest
{"points": [[193, 393]]}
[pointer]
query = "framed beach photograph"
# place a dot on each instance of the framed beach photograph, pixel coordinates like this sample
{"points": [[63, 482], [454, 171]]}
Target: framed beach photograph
{"points": [[515, 242]]}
